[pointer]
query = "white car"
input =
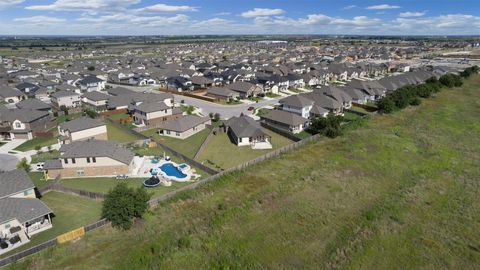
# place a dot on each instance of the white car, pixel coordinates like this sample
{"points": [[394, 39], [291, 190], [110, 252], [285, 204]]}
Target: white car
{"points": [[40, 166]]}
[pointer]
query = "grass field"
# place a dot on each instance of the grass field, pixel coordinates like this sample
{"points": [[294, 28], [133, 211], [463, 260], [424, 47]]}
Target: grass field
{"points": [[221, 152], [188, 147], [38, 141], [70, 211], [38, 179], [119, 134], [103, 185], [398, 192]]}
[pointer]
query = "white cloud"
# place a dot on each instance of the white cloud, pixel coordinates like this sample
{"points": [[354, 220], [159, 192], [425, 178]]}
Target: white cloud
{"points": [[85, 5], [40, 20], [129, 19], [382, 7], [409, 14], [162, 8], [262, 12], [349, 7], [5, 3], [222, 13]]}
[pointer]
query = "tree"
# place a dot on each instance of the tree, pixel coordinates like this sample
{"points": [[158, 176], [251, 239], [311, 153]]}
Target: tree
{"points": [[386, 105], [122, 204], [329, 126], [91, 113], [210, 115], [216, 117], [23, 164], [451, 80]]}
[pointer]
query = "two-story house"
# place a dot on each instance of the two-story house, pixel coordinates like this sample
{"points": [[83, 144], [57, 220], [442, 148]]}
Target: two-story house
{"points": [[82, 128]]}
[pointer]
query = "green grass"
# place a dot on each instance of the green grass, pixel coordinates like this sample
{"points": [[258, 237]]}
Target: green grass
{"points": [[38, 141], [350, 116], [120, 134], [103, 185], [63, 118], [38, 179], [188, 146], [398, 192], [119, 116], [44, 156], [221, 153], [70, 211], [262, 111]]}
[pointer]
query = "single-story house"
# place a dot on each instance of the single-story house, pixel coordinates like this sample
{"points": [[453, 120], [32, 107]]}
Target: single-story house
{"points": [[243, 130], [185, 126], [82, 128], [222, 93], [286, 121]]}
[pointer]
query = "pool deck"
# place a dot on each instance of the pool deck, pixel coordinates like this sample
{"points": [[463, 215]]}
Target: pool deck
{"points": [[147, 165]]}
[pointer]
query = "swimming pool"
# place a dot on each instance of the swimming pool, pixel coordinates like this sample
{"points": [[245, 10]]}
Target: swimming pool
{"points": [[171, 170]]}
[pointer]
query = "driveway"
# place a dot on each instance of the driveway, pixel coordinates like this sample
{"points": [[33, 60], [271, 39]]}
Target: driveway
{"points": [[225, 111], [8, 162]]}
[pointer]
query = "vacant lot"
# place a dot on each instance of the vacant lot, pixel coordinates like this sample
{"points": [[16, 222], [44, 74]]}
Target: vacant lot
{"points": [[188, 147], [103, 185], [220, 152], [70, 211], [399, 192]]}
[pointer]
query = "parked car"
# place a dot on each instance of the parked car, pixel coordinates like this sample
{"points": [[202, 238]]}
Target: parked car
{"points": [[251, 108], [40, 166]]}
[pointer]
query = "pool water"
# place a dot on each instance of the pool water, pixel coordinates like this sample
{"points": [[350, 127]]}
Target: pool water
{"points": [[171, 170], [183, 166]]}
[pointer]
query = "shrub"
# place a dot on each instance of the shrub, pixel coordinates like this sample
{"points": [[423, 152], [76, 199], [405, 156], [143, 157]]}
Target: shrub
{"points": [[329, 126], [451, 80], [122, 204], [415, 101], [386, 105], [23, 164]]}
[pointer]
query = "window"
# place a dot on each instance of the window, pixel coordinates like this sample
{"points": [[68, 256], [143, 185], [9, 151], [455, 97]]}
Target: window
{"points": [[27, 192], [94, 160], [18, 125], [168, 132], [177, 134], [88, 160], [80, 172], [73, 160], [65, 160]]}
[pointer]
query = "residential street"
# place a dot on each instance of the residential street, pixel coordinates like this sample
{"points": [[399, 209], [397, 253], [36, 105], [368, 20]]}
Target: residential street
{"points": [[226, 111]]}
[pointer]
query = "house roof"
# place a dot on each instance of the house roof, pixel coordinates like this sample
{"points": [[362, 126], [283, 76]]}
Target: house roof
{"points": [[149, 107], [285, 117], [298, 101], [7, 91], [61, 94], [33, 104], [221, 91], [15, 181], [89, 80], [23, 115], [243, 87], [95, 148], [22, 209], [184, 123], [81, 123], [244, 126], [96, 96]]}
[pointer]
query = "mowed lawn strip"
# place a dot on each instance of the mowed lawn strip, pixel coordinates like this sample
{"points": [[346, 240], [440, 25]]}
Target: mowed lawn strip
{"points": [[38, 141], [224, 154], [103, 185], [70, 212], [188, 146], [119, 134], [401, 191]]}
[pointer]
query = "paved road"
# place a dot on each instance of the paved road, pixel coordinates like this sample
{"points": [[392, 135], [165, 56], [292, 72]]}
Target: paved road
{"points": [[225, 111], [8, 162]]}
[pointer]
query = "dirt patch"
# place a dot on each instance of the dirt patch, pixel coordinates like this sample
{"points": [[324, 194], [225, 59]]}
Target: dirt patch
{"points": [[372, 148]]}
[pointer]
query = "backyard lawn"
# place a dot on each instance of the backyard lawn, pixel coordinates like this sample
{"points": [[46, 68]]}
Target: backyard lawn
{"points": [[103, 185], [221, 153], [119, 134], [188, 147], [38, 180], [70, 212], [38, 141]]}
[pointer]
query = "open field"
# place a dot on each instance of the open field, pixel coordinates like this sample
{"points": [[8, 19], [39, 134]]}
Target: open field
{"points": [[103, 185], [70, 211], [398, 192], [221, 152], [188, 147]]}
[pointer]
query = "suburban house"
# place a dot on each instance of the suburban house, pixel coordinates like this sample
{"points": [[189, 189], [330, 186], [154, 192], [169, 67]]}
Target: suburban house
{"points": [[185, 126], [222, 93], [95, 100], [82, 128], [297, 104], [91, 83], [245, 89], [11, 95], [243, 131], [90, 158], [34, 104], [154, 113], [27, 88], [285, 121], [23, 123], [65, 98], [21, 213]]}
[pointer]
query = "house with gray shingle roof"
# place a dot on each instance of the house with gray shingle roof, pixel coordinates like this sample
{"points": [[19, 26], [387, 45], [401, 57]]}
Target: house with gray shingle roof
{"points": [[21, 213], [184, 126], [286, 121], [11, 95], [83, 128], [243, 131], [90, 158]]}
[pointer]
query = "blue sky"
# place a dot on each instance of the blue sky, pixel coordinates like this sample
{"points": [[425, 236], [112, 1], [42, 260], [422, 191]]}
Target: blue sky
{"points": [[152, 17]]}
